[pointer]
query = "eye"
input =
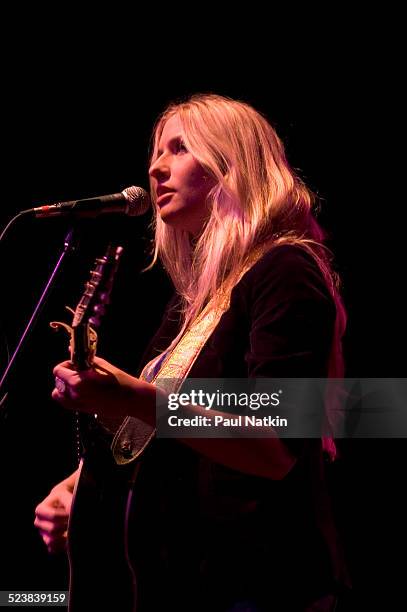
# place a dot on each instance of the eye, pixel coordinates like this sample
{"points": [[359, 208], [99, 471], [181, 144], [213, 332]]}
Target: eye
{"points": [[180, 146]]}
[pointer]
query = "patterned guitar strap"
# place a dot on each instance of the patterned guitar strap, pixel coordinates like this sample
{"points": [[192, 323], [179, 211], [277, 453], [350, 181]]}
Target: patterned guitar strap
{"points": [[168, 372]]}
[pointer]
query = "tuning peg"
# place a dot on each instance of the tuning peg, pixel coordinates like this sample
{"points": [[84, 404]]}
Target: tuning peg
{"points": [[99, 309], [95, 320], [104, 297]]}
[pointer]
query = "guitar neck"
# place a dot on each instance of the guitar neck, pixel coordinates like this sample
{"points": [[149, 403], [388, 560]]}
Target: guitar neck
{"points": [[82, 354]]}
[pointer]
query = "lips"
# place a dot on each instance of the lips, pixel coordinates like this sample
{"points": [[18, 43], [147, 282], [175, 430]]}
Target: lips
{"points": [[162, 190], [164, 193]]}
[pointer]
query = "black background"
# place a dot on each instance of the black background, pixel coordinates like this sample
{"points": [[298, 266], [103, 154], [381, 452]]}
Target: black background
{"points": [[74, 128]]}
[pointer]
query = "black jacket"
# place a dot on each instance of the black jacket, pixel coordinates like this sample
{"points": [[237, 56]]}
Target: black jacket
{"points": [[212, 536]]}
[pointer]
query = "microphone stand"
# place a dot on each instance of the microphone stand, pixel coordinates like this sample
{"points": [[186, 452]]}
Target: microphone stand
{"points": [[69, 247]]}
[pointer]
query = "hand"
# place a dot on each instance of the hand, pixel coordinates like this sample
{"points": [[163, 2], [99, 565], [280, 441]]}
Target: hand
{"points": [[51, 517], [104, 390]]}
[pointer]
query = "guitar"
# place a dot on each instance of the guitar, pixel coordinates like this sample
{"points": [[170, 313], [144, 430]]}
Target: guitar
{"points": [[97, 539]]}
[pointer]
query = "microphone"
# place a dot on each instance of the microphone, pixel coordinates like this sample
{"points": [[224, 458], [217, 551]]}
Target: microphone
{"points": [[132, 201]]}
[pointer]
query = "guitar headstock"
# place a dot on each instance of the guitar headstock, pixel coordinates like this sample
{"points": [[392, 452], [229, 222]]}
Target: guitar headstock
{"points": [[92, 306]]}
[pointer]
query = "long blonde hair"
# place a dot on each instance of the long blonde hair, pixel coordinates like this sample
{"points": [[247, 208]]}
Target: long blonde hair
{"points": [[258, 202]]}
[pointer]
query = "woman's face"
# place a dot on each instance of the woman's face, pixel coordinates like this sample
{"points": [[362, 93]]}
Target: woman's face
{"points": [[180, 183]]}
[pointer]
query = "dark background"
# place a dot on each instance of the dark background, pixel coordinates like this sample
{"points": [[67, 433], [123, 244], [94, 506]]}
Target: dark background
{"points": [[73, 130]]}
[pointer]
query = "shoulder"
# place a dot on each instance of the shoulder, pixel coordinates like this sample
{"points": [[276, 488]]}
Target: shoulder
{"points": [[284, 258], [287, 269]]}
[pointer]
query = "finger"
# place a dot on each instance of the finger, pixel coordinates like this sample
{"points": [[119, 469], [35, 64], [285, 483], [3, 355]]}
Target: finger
{"points": [[51, 513], [51, 525], [58, 396], [58, 522], [102, 363], [45, 538], [63, 368], [50, 529], [70, 402], [54, 544]]}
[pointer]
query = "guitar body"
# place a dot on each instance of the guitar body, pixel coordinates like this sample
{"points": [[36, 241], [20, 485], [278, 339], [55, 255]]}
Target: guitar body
{"points": [[101, 576]]}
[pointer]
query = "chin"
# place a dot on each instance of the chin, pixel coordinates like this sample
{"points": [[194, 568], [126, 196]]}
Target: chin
{"points": [[181, 219], [170, 215]]}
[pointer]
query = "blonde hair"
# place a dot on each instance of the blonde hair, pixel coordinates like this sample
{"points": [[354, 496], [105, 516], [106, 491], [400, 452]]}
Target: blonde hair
{"points": [[257, 203]]}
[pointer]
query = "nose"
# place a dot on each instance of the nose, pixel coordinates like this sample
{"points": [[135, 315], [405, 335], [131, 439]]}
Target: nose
{"points": [[159, 169]]}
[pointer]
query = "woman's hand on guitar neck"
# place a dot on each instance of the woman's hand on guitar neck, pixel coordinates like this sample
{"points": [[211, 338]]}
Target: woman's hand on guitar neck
{"points": [[52, 514], [104, 390]]}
